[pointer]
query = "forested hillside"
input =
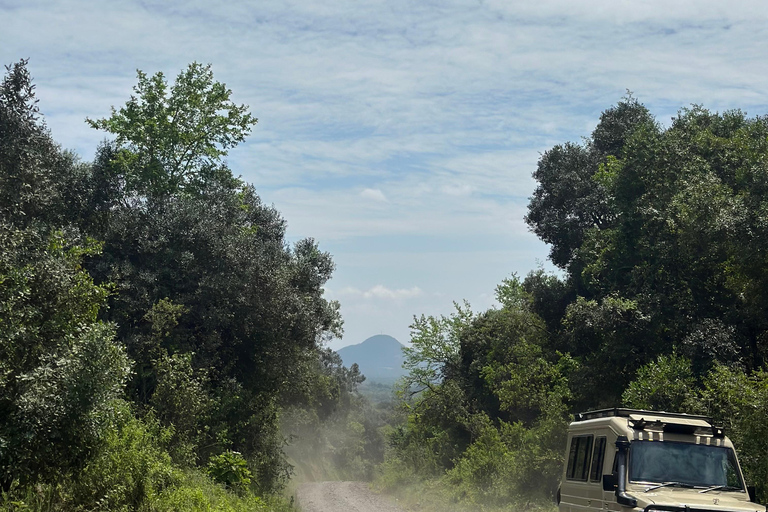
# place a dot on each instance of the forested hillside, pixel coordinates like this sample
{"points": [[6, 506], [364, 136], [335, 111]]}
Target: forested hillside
{"points": [[661, 234], [153, 319]]}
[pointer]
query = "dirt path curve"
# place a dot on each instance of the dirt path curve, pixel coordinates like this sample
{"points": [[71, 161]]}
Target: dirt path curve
{"points": [[342, 497]]}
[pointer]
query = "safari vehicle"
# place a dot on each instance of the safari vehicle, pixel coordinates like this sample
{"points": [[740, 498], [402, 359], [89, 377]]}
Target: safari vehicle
{"points": [[631, 460]]}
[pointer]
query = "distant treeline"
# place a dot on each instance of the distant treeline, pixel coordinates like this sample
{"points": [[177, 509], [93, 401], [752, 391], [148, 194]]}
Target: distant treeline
{"points": [[154, 322], [661, 235]]}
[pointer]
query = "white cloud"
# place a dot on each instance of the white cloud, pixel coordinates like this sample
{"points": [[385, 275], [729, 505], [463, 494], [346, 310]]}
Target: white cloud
{"points": [[373, 194], [382, 292], [457, 189], [392, 118]]}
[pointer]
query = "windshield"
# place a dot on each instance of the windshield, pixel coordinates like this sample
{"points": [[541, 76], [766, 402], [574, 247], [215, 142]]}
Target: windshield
{"points": [[694, 464]]}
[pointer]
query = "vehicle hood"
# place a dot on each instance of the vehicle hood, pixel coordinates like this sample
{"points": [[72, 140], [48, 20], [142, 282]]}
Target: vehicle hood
{"points": [[712, 500]]}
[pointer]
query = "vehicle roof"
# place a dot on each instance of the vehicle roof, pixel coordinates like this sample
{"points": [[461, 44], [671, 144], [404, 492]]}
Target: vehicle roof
{"points": [[633, 422], [639, 414]]}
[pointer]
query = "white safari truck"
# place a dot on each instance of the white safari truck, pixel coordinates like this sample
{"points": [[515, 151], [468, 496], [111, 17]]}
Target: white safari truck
{"points": [[631, 460]]}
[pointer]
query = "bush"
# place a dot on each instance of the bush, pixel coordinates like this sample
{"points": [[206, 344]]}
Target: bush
{"points": [[182, 400], [739, 402], [62, 408], [197, 493], [230, 469], [131, 469], [59, 367], [482, 474], [666, 384]]}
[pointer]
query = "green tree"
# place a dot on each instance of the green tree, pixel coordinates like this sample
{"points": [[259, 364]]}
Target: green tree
{"points": [[666, 384], [738, 401], [39, 183], [569, 201], [682, 247], [610, 339], [60, 368], [493, 406], [207, 288], [439, 424], [174, 138], [434, 351], [549, 296], [689, 217]]}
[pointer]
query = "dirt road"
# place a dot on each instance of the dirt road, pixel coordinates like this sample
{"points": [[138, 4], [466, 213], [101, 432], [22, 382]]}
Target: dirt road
{"points": [[342, 497]]}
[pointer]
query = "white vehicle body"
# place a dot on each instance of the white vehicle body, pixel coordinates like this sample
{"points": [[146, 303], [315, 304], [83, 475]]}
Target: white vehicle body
{"points": [[631, 460]]}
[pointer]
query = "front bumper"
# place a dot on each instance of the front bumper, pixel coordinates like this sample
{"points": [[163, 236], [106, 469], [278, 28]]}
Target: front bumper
{"points": [[687, 508]]}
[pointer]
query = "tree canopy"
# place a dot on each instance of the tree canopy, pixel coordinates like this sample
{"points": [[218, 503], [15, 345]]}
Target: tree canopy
{"points": [[174, 138], [155, 321], [150, 295], [660, 235]]}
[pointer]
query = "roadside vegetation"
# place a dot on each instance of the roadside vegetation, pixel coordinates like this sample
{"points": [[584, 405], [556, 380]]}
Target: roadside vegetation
{"points": [[154, 322], [661, 235], [162, 345]]}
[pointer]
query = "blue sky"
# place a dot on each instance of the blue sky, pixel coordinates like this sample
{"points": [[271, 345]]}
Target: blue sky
{"points": [[401, 135]]}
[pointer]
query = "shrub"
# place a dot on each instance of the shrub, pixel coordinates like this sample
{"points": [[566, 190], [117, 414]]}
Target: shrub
{"points": [[230, 469], [131, 469], [666, 384], [62, 407], [182, 400]]}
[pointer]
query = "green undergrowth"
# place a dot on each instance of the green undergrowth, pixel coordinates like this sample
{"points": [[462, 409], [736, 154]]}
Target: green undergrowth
{"points": [[190, 491], [442, 494], [199, 493], [132, 471]]}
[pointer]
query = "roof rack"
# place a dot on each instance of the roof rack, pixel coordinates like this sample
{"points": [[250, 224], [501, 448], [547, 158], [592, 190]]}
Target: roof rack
{"points": [[625, 413]]}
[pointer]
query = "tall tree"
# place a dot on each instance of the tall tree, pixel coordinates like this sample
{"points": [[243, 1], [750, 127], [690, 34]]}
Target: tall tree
{"points": [[683, 244], [60, 368], [201, 267], [569, 200], [172, 139], [38, 181]]}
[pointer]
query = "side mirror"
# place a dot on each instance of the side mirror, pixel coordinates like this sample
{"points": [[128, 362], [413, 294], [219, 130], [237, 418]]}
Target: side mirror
{"points": [[610, 481], [751, 492]]}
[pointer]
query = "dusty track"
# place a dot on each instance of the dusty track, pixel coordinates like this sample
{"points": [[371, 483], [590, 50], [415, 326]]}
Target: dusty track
{"points": [[342, 497]]}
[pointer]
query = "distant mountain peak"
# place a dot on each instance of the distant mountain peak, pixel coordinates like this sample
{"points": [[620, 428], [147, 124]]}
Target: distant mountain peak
{"points": [[379, 357], [383, 340]]}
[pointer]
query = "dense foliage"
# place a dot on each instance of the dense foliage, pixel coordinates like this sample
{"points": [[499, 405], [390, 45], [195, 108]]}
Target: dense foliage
{"points": [[160, 342], [660, 234], [154, 321]]}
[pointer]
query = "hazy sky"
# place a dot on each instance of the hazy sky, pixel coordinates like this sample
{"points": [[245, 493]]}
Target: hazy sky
{"points": [[399, 134]]}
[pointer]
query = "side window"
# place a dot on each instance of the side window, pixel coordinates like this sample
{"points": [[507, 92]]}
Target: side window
{"points": [[578, 458], [596, 475]]}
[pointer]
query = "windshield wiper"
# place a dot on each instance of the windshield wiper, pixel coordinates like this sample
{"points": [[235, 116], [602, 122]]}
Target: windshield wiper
{"points": [[669, 484], [721, 488]]}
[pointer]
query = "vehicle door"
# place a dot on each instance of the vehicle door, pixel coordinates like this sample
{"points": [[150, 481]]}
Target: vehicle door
{"points": [[581, 489]]}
